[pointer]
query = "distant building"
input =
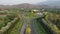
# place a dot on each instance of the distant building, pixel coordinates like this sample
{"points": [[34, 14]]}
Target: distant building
{"points": [[35, 11], [40, 14]]}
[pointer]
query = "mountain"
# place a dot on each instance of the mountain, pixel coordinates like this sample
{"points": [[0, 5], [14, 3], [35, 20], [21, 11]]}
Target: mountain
{"points": [[24, 5], [53, 3]]}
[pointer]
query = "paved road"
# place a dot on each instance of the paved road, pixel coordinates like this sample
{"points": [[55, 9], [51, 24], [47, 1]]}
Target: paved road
{"points": [[33, 28], [23, 29]]}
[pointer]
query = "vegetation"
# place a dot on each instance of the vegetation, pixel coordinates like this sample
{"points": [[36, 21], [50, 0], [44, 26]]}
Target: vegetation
{"points": [[5, 21], [16, 28], [53, 21], [39, 27], [52, 17]]}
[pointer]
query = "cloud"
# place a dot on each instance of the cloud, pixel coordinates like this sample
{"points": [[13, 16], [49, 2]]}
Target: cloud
{"points": [[53, 0], [10, 2]]}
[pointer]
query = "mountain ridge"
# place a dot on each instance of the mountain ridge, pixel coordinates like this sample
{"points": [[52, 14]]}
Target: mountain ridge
{"points": [[26, 6], [51, 3]]}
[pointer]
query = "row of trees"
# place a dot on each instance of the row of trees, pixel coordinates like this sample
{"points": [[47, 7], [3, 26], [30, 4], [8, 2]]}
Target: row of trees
{"points": [[57, 11]]}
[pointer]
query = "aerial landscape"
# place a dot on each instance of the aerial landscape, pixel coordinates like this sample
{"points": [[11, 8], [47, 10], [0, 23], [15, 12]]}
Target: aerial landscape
{"points": [[29, 16]]}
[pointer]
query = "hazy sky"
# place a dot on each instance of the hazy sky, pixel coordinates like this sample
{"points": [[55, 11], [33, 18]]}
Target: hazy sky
{"points": [[11, 2]]}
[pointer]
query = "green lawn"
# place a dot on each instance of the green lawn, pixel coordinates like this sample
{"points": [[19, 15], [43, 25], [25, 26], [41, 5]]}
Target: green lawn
{"points": [[31, 15], [40, 28]]}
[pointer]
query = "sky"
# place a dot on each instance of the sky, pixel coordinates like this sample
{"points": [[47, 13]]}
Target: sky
{"points": [[13, 2], [53, 0]]}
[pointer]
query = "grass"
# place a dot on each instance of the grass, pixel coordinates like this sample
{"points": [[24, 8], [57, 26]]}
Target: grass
{"points": [[16, 29], [37, 24], [54, 27], [5, 21], [31, 15], [40, 28]]}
